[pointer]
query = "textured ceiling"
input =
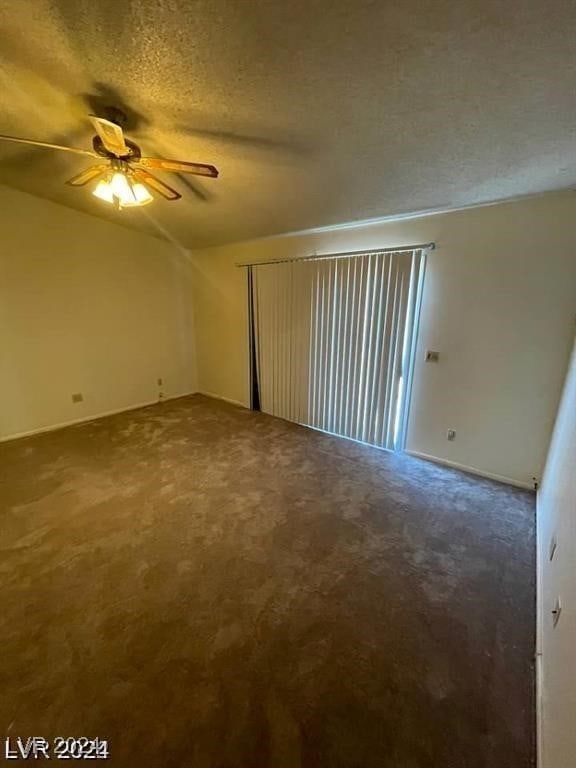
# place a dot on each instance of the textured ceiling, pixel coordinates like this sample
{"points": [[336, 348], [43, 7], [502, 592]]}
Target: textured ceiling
{"points": [[316, 112]]}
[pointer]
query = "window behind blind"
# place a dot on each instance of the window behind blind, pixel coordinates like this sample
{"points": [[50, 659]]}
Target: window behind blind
{"points": [[334, 341]]}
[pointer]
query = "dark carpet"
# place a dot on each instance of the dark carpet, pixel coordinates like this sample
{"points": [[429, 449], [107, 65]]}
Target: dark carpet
{"points": [[209, 587]]}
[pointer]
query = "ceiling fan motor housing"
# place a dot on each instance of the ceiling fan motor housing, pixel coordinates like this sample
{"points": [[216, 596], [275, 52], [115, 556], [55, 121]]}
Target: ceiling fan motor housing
{"points": [[101, 150]]}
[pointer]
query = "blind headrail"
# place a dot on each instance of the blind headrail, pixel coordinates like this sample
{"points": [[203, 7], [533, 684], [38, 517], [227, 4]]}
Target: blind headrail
{"points": [[343, 255]]}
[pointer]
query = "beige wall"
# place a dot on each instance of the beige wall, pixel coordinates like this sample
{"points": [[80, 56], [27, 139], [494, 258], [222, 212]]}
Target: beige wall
{"points": [[499, 304], [86, 306], [557, 578]]}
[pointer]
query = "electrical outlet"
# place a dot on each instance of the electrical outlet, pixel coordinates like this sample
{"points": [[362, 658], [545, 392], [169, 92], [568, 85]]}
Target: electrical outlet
{"points": [[432, 356], [556, 611], [78, 397], [451, 434]]}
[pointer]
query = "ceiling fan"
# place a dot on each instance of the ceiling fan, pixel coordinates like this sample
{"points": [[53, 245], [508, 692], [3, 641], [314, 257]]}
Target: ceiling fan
{"points": [[124, 176]]}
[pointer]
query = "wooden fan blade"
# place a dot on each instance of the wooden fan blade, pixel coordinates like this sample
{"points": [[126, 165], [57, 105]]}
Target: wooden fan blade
{"points": [[111, 134], [48, 145], [88, 174], [177, 166], [158, 186]]}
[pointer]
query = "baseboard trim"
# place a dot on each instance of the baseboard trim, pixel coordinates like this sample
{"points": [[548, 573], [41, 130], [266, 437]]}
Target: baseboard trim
{"points": [[539, 712], [539, 636], [471, 470], [221, 397], [85, 419]]}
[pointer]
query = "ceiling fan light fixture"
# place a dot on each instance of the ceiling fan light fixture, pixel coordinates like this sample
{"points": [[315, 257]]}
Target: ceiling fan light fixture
{"points": [[141, 195], [119, 189], [104, 191]]}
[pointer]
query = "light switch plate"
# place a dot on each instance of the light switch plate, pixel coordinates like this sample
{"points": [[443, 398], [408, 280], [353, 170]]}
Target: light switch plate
{"points": [[432, 356]]}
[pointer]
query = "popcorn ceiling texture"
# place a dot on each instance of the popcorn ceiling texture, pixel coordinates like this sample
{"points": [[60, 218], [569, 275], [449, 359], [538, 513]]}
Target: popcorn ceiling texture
{"points": [[316, 112], [211, 587]]}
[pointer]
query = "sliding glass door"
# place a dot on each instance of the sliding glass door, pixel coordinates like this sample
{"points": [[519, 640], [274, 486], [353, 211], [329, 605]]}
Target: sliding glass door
{"points": [[334, 339]]}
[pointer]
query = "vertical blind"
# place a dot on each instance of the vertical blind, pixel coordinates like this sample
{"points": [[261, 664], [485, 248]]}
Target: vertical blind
{"points": [[334, 339]]}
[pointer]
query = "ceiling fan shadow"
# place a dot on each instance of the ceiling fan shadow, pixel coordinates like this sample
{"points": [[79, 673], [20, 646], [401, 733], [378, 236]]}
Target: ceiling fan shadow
{"points": [[270, 144], [195, 188], [105, 101]]}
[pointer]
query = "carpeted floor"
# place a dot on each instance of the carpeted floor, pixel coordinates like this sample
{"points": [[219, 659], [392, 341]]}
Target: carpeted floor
{"points": [[208, 587]]}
